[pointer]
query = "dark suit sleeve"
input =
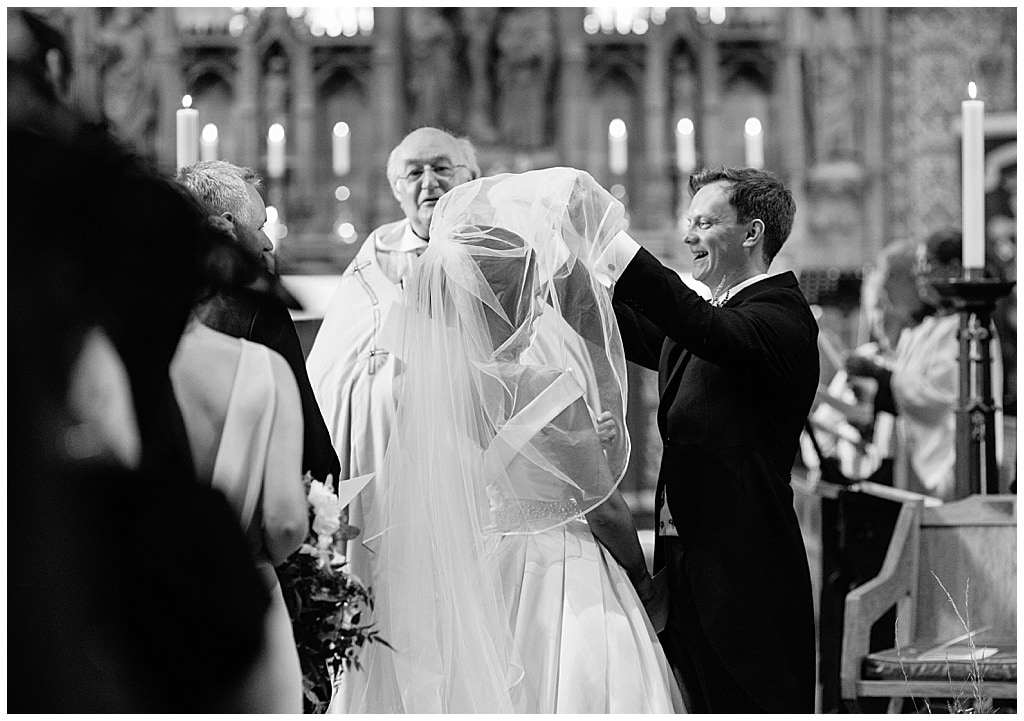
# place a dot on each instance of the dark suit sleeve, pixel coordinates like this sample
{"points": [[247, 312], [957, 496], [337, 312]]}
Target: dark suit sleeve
{"points": [[760, 336], [272, 326], [641, 339]]}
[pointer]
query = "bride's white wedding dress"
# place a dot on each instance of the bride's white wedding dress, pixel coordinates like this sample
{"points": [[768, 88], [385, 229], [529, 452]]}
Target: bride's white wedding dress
{"points": [[582, 636], [493, 592]]}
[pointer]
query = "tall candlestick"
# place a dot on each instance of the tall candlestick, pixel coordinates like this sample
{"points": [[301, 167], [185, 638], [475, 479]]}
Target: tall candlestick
{"points": [[208, 142], [275, 151], [341, 159], [188, 133], [618, 154], [686, 149], [754, 143], [973, 181]]}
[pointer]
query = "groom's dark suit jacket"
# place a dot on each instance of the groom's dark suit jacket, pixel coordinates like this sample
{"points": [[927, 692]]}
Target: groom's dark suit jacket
{"points": [[736, 384]]}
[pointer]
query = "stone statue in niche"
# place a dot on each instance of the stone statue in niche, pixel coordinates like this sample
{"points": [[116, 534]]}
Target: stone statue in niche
{"points": [[433, 78], [479, 25], [525, 64], [684, 88], [275, 91], [129, 92], [833, 70]]}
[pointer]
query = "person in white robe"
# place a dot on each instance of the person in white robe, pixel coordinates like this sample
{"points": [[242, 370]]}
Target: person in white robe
{"points": [[351, 372]]}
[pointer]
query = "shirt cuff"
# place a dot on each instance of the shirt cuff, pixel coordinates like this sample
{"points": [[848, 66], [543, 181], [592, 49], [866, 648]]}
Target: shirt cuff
{"points": [[615, 258]]}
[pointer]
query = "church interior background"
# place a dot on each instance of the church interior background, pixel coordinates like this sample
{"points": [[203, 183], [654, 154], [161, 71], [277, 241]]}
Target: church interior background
{"points": [[858, 111]]}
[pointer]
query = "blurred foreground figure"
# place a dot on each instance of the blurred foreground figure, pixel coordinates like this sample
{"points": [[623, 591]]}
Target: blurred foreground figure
{"points": [[130, 588], [242, 413]]}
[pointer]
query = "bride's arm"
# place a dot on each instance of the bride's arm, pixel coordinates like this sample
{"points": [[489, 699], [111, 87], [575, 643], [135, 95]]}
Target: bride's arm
{"points": [[612, 524]]}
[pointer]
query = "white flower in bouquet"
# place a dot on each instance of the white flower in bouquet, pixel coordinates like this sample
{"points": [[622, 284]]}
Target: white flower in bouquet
{"points": [[326, 520], [322, 498], [328, 607], [325, 526]]}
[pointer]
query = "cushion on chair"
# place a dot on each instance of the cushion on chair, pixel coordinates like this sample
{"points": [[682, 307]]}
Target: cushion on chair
{"points": [[991, 661]]}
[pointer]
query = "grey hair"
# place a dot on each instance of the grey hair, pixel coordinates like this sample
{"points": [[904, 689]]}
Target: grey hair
{"points": [[220, 185], [465, 145]]}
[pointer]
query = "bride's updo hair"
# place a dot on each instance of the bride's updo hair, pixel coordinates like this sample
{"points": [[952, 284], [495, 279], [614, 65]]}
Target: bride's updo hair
{"points": [[509, 268]]}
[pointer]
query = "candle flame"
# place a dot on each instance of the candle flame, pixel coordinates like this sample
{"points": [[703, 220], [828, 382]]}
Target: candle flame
{"points": [[276, 133], [209, 132], [685, 126], [617, 128], [341, 129], [186, 102], [972, 90], [752, 126]]}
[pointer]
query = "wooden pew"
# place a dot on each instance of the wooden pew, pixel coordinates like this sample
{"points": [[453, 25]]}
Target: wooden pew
{"points": [[951, 573]]}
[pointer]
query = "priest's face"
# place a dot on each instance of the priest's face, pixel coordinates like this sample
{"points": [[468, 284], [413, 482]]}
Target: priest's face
{"points": [[425, 166], [715, 236]]}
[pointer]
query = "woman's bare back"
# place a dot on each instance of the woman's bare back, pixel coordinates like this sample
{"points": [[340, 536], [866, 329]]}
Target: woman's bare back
{"points": [[203, 373]]}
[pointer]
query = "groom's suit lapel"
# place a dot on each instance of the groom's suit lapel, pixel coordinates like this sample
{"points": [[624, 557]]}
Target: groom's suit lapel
{"points": [[675, 375]]}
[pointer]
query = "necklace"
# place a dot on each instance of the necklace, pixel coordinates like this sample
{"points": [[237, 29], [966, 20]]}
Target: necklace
{"points": [[717, 300]]}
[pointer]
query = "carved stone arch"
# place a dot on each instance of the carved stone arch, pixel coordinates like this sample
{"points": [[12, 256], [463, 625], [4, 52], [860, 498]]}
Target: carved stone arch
{"points": [[744, 95], [342, 95], [340, 69], [753, 65], [618, 62], [214, 93], [204, 71], [618, 93]]}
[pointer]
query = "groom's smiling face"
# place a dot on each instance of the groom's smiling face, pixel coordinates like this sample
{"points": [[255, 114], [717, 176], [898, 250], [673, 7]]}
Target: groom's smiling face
{"points": [[715, 235]]}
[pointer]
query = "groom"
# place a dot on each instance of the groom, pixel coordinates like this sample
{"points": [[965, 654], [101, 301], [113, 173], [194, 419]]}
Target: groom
{"points": [[737, 377]]}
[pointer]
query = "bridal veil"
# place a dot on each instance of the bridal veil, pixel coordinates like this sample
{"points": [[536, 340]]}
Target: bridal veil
{"points": [[508, 349]]}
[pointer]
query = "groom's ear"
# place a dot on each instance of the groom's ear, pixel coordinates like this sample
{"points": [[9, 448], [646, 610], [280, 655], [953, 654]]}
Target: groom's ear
{"points": [[755, 233]]}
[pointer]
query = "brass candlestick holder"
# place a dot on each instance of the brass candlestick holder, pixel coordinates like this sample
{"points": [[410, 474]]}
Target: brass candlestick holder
{"points": [[975, 299]]}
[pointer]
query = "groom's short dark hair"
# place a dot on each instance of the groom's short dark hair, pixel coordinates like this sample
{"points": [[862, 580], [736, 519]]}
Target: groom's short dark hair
{"points": [[754, 194]]}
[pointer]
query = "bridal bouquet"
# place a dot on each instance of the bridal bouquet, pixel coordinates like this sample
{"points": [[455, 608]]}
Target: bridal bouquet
{"points": [[327, 605]]}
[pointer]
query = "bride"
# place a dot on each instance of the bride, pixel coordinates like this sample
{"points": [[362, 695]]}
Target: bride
{"points": [[510, 565]]}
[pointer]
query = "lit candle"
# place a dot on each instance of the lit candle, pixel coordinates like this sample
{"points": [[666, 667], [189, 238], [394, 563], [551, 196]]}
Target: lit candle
{"points": [[973, 180], [340, 139], [686, 150], [617, 153], [208, 142], [275, 151], [754, 143], [188, 133]]}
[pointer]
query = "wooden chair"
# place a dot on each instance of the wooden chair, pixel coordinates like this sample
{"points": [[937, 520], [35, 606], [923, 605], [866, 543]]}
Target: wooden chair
{"points": [[951, 573]]}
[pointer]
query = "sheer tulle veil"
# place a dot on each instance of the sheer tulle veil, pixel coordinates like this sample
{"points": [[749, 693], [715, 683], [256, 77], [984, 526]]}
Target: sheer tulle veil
{"points": [[506, 336]]}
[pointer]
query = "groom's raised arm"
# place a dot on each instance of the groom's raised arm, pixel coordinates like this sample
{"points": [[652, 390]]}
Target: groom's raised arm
{"points": [[760, 335]]}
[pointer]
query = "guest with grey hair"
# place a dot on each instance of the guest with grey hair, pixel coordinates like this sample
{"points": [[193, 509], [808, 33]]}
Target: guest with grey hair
{"points": [[231, 193]]}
